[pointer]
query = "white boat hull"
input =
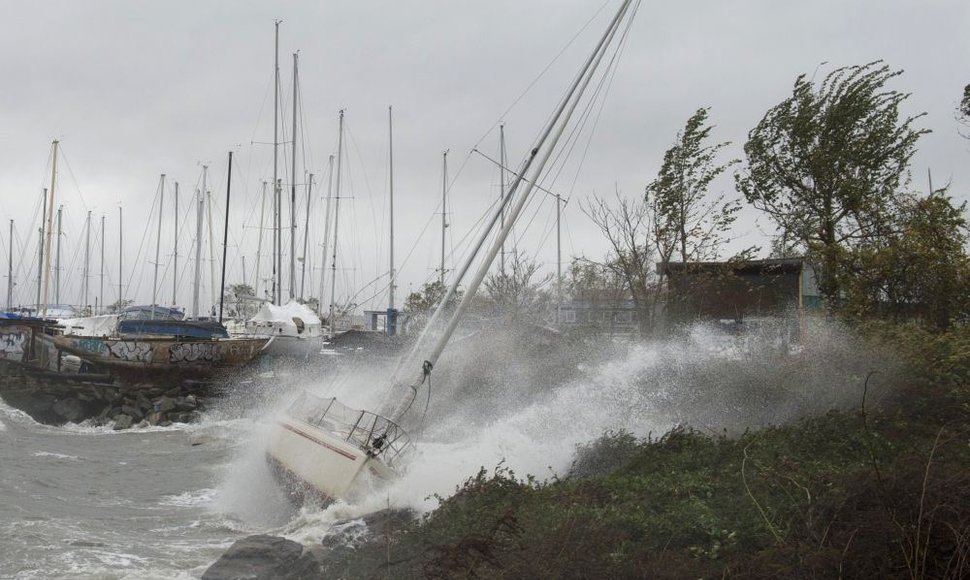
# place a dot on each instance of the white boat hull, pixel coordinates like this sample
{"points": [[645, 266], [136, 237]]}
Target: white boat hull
{"points": [[331, 466]]}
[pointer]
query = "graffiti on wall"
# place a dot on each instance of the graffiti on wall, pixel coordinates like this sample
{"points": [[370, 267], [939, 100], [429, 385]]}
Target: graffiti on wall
{"points": [[191, 352], [90, 345], [131, 351], [12, 345]]}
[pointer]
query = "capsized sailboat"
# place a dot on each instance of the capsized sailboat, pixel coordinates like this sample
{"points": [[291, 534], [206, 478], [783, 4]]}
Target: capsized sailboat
{"points": [[330, 447]]}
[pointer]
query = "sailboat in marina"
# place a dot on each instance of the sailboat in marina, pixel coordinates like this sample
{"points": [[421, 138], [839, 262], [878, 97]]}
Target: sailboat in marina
{"points": [[295, 330], [328, 447], [150, 344]]}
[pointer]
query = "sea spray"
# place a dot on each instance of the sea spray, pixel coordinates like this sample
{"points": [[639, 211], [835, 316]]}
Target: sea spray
{"points": [[503, 399]]}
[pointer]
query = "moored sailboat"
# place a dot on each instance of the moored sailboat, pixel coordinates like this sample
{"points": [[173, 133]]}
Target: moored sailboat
{"points": [[154, 350]]}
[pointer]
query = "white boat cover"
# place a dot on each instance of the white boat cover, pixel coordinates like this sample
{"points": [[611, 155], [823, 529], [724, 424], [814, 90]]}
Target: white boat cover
{"points": [[103, 325], [291, 319]]}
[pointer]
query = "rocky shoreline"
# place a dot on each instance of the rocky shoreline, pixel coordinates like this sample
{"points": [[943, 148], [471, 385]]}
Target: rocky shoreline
{"points": [[350, 550], [59, 399]]}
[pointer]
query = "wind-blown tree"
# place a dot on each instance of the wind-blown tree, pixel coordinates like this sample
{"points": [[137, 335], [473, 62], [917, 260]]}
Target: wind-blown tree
{"points": [[963, 110], [920, 269], [419, 306], [826, 164], [688, 223]]}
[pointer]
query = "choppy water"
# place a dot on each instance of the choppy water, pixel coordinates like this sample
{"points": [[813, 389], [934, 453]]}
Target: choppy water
{"points": [[87, 502]]}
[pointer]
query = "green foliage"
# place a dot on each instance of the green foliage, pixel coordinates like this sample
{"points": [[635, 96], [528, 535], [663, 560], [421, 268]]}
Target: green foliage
{"points": [[421, 305], [964, 109], [917, 270], [858, 494], [686, 220], [938, 365], [605, 455], [826, 164]]}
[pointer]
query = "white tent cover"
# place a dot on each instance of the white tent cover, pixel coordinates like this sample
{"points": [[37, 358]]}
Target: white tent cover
{"points": [[286, 318]]}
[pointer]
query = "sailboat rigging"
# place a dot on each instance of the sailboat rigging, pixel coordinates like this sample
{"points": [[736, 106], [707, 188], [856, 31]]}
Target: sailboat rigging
{"points": [[330, 446]]}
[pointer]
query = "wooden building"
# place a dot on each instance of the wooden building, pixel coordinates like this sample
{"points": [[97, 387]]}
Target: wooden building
{"points": [[739, 290]]}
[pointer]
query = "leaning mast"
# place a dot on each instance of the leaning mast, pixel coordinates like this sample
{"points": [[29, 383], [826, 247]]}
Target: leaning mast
{"points": [[552, 133]]}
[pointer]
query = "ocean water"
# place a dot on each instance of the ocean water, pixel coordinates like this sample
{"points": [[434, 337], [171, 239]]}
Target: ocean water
{"points": [[88, 502]]}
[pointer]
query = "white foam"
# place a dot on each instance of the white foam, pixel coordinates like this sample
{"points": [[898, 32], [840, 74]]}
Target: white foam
{"points": [[202, 497], [56, 455]]}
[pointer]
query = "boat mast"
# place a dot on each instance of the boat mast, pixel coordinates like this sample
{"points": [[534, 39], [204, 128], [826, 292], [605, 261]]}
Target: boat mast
{"points": [[199, 214], [259, 240], [50, 226], [121, 256], [557, 124], [390, 157], [40, 250], [212, 259], [175, 255], [296, 76], [444, 215], [326, 235], [306, 235], [10, 270], [101, 290], [158, 243], [336, 222], [225, 241], [501, 188], [57, 261], [87, 259], [277, 266]]}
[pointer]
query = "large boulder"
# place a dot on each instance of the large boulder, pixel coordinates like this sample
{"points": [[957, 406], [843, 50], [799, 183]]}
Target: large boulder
{"points": [[123, 422], [71, 409], [264, 558]]}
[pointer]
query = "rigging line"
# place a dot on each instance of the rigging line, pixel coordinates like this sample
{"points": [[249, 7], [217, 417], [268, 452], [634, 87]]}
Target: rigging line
{"points": [[513, 173], [183, 226], [604, 87], [609, 72], [31, 256], [370, 194], [305, 143], [569, 236], [548, 66], [379, 292], [572, 139], [141, 244], [528, 226], [417, 241], [70, 171], [19, 271]]}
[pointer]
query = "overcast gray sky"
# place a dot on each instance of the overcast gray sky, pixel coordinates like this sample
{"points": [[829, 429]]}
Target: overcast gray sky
{"points": [[136, 89]]}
